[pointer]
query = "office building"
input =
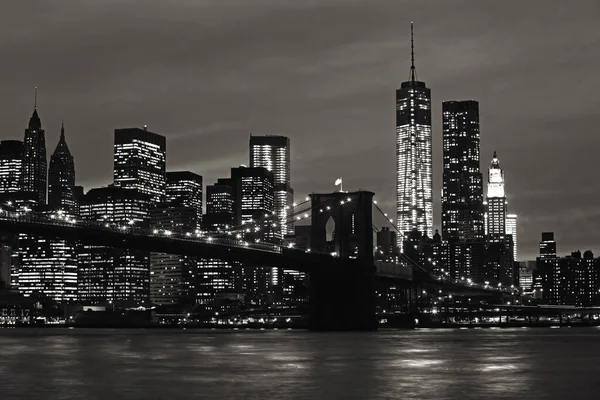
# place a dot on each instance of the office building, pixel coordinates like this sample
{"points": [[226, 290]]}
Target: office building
{"points": [[462, 182], [140, 162], [253, 194], [173, 278], [114, 276], [11, 166], [414, 195], [511, 229], [61, 178], [186, 187], [273, 153], [48, 267], [35, 164], [220, 206]]}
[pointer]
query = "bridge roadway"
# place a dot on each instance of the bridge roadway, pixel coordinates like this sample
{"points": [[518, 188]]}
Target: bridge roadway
{"points": [[336, 283]]}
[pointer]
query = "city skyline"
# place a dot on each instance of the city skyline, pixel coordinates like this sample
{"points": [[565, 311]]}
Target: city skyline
{"points": [[541, 206]]}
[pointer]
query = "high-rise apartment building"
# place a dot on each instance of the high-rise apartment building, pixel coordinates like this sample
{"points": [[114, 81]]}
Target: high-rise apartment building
{"points": [[462, 182], [61, 178], [511, 229], [117, 276], [496, 202], [273, 153], [140, 162], [186, 187], [11, 166], [35, 164], [414, 193]]}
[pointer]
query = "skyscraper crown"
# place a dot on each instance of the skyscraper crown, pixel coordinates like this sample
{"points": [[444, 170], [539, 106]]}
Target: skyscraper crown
{"points": [[61, 148]]}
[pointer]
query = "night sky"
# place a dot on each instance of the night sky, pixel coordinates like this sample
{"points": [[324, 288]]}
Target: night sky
{"points": [[206, 73]]}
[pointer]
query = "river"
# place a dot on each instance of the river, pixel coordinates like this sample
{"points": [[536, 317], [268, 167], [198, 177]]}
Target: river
{"points": [[521, 363]]}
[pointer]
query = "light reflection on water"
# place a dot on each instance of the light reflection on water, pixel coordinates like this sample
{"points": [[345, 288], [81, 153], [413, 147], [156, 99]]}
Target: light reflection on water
{"points": [[422, 364]]}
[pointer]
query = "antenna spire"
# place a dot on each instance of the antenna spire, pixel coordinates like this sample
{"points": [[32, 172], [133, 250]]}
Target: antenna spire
{"points": [[413, 73], [35, 98]]}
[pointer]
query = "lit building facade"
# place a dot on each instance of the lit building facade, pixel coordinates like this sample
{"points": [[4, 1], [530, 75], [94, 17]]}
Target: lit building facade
{"points": [[511, 229], [61, 178], [220, 205], [273, 153], [254, 204], [572, 280], [173, 278], [35, 163], [11, 166], [496, 201], [186, 187], [414, 193], [140, 162], [217, 277], [116, 276], [47, 266], [462, 181]]}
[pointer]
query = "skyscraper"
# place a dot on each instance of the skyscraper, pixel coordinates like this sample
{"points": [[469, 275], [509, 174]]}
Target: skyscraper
{"points": [[462, 182], [253, 193], [173, 277], [140, 162], [35, 164], [511, 229], [186, 187], [220, 205], [254, 203], [11, 166], [273, 153], [61, 178], [414, 193], [496, 201], [118, 276]]}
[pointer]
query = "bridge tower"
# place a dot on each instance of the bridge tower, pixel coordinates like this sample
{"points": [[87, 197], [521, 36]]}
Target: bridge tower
{"points": [[343, 298]]}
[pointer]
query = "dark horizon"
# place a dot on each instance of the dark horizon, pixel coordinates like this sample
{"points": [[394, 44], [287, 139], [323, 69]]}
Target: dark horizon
{"points": [[207, 74]]}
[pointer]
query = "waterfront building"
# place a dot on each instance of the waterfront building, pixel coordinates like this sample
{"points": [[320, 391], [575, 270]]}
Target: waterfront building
{"points": [[173, 278], [114, 276], [547, 245], [220, 212]]}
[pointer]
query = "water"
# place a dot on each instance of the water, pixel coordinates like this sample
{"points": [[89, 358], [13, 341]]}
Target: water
{"points": [[422, 364]]}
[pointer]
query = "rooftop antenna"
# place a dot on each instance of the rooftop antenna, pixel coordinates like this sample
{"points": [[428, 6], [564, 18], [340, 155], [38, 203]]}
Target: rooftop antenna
{"points": [[35, 98], [413, 72]]}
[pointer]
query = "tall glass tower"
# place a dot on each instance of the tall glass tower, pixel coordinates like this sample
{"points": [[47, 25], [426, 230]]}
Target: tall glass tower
{"points": [[462, 182], [414, 192], [273, 153], [61, 178]]}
